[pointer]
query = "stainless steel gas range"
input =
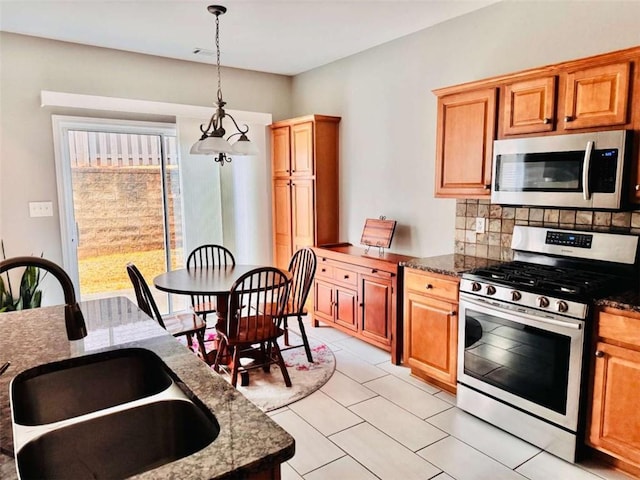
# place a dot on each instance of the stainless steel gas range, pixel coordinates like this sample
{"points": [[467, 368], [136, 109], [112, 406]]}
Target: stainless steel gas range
{"points": [[524, 327]]}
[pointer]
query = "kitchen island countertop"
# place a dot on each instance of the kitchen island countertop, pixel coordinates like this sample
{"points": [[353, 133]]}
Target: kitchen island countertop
{"points": [[249, 441]]}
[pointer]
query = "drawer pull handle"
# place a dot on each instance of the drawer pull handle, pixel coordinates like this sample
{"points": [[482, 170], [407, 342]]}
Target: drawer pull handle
{"points": [[429, 286], [346, 277], [599, 353]]}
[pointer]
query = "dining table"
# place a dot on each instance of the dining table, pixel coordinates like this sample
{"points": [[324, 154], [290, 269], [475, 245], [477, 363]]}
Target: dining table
{"points": [[214, 280]]}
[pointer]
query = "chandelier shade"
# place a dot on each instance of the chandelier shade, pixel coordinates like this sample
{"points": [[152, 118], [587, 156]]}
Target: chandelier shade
{"points": [[212, 139]]}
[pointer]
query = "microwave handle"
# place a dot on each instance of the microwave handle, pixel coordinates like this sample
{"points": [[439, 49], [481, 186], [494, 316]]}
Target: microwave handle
{"points": [[586, 166]]}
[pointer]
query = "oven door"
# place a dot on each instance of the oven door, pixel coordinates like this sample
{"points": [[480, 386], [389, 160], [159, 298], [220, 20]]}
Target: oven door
{"points": [[528, 361]]}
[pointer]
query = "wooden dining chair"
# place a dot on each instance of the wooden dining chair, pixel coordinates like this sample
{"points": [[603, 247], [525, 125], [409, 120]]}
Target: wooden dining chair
{"points": [[208, 256], [303, 268], [252, 331], [178, 324]]}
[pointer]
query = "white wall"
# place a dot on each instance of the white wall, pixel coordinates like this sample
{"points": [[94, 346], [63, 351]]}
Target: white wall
{"points": [[29, 65], [388, 112]]}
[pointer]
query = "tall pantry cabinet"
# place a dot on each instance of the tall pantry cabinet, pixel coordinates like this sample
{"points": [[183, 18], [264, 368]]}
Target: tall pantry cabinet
{"points": [[304, 156]]}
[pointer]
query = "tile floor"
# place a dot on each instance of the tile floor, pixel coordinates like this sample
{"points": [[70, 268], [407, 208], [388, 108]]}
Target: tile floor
{"points": [[372, 420]]}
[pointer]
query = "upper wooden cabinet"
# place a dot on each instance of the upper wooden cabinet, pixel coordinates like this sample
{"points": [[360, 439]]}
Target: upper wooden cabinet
{"points": [[596, 96], [304, 166], [529, 106], [464, 148], [596, 93]]}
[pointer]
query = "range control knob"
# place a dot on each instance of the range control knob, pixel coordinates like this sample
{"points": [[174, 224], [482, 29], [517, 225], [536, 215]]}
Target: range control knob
{"points": [[491, 289], [515, 295], [562, 306], [542, 302], [475, 287]]}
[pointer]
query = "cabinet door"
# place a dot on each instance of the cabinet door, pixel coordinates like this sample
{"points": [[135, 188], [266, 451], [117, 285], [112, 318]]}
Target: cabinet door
{"points": [[324, 301], [302, 149], [375, 308], [302, 213], [464, 148], [529, 106], [280, 152], [615, 423], [431, 337], [282, 230], [597, 96], [345, 307]]}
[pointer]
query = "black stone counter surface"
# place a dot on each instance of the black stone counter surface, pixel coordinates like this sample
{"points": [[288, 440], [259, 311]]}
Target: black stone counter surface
{"points": [[454, 264], [628, 301], [249, 441]]}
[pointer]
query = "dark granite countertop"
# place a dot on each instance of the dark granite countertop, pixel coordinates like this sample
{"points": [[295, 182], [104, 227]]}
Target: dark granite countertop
{"points": [[627, 301], [454, 264], [249, 440]]}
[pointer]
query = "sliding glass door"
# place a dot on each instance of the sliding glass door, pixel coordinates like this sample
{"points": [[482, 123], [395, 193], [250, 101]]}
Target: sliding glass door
{"points": [[121, 185]]}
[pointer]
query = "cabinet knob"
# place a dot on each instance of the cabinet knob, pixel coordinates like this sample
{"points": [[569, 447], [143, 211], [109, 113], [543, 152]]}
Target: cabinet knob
{"points": [[453, 313], [361, 304], [599, 353], [293, 171], [346, 277], [637, 188], [324, 269], [487, 186], [546, 121], [428, 286], [568, 118]]}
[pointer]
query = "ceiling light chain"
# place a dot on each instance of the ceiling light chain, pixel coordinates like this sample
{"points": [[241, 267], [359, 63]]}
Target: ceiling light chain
{"points": [[212, 140]]}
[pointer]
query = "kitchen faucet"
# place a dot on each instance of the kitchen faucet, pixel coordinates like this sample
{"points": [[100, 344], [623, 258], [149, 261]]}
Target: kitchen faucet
{"points": [[73, 318]]}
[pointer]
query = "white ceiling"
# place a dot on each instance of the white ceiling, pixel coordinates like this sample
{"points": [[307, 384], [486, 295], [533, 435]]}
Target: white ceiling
{"points": [[278, 36]]}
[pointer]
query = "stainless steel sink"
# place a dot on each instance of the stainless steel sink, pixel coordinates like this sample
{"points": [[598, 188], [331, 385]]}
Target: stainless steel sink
{"points": [[107, 415], [120, 444], [57, 391]]}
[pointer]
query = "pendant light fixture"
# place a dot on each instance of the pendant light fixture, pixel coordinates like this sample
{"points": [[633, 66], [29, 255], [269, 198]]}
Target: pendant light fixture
{"points": [[212, 141]]}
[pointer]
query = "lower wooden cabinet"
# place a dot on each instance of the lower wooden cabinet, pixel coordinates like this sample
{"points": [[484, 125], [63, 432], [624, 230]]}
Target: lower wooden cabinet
{"points": [[358, 294], [614, 420], [431, 326]]}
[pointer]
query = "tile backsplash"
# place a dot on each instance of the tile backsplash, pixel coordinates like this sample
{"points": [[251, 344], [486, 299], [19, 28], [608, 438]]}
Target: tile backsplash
{"points": [[495, 241]]}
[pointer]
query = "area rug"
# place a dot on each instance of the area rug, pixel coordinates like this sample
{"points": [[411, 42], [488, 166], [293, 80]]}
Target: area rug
{"points": [[268, 391]]}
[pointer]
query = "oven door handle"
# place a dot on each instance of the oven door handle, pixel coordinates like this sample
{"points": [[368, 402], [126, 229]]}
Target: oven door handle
{"points": [[532, 318], [586, 167]]}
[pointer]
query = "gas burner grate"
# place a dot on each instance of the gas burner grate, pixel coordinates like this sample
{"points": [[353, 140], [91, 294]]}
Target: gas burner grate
{"points": [[545, 278]]}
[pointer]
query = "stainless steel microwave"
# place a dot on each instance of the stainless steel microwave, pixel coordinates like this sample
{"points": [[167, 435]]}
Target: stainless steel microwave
{"points": [[583, 170]]}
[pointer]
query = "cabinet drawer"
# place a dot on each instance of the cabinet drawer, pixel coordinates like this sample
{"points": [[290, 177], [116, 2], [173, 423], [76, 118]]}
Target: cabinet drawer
{"points": [[619, 328], [345, 276], [427, 284], [325, 271]]}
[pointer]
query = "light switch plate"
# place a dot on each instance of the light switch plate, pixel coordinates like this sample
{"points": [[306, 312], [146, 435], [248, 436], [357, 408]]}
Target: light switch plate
{"points": [[40, 209], [480, 225]]}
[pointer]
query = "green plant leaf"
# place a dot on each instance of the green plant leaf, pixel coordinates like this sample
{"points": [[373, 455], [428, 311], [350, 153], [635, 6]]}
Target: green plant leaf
{"points": [[36, 300]]}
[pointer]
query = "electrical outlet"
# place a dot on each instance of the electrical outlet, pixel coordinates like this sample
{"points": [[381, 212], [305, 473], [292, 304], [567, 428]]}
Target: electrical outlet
{"points": [[480, 224], [40, 209]]}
